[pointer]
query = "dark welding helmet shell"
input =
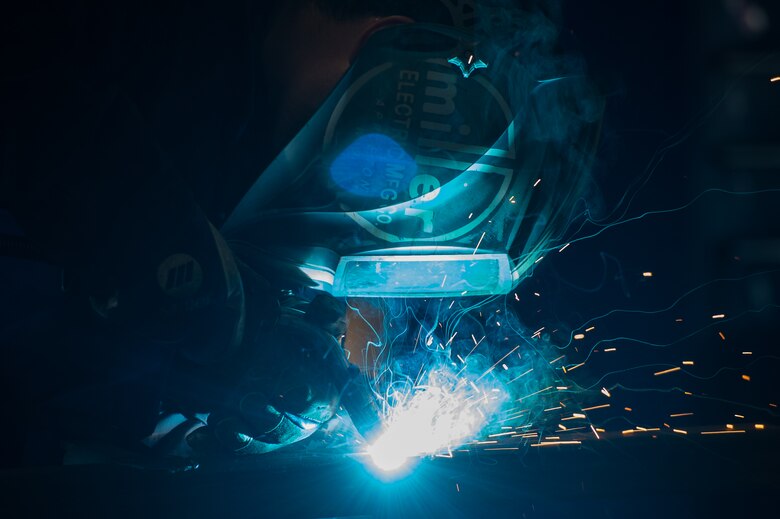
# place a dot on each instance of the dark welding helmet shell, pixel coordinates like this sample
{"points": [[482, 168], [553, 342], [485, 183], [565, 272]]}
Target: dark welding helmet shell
{"points": [[423, 175]]}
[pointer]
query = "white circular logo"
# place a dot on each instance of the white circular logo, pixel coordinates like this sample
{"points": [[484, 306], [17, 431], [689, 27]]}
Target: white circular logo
{"points": [[435, 151]]}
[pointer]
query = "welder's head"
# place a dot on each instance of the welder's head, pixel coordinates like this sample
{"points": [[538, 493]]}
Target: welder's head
{"points": [[446, 161]]}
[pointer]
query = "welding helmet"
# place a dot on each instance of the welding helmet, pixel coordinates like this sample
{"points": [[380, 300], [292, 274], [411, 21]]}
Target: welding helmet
{"points": [[438, 166]]}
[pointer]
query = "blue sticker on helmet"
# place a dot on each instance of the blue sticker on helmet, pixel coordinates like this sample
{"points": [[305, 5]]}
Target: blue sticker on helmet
{"points": [[371, 165]]}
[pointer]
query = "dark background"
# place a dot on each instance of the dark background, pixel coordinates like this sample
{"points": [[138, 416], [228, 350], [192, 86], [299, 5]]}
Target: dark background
{"points": [[689, 99]]}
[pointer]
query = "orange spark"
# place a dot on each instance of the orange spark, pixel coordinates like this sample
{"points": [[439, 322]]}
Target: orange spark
{"points": [[664, 372]]}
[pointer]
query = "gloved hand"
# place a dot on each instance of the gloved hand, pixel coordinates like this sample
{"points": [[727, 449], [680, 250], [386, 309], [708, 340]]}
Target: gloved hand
{"points": [[295, 374]]}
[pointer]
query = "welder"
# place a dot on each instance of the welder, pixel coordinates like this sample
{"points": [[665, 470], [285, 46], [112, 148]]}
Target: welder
{"points": [[205, 310]]}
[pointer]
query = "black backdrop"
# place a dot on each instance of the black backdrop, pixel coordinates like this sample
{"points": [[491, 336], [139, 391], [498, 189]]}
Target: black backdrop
{"points": [[667, 67]]}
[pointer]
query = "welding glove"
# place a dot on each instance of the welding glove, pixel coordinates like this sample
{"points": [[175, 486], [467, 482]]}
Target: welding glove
{"points": [[296, 370]]}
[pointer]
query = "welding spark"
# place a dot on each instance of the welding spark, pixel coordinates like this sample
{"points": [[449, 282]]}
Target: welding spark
{"points": [[478, 244], [664, 372], [439, 413]]}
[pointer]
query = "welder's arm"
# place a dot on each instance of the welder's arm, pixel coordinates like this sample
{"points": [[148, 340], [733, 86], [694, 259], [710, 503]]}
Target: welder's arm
{"points": [[299, 376], [86, 183]]}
